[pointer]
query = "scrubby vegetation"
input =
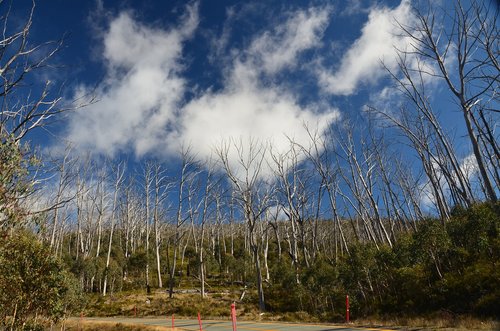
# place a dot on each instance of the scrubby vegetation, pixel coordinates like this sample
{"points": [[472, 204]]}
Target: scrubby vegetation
{"points": [[452, 268], [33, 282]]}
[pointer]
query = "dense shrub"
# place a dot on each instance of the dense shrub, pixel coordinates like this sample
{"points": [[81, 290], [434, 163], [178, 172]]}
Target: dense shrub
{"points": [[453, 267], [32, 281]]}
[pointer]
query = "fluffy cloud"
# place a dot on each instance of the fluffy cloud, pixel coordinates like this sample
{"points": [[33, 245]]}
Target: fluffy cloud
{"points": [[142, 88], [303, 30], [247, 110], [249, 115], [143, 99], [361, 64]]}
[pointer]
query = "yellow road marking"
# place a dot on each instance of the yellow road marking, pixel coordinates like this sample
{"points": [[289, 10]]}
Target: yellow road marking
{"points": [[249, 328]]}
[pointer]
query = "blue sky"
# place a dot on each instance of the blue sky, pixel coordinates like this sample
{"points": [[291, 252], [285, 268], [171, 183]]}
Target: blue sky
{"points": [[191, 73], [171, 74]]}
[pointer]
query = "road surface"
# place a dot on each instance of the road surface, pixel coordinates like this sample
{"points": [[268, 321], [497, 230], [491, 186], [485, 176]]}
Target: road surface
{"points": [[221, 325]]}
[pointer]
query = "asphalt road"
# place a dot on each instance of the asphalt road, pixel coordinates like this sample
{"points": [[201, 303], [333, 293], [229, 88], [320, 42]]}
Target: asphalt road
{"points": [[221, 325]]}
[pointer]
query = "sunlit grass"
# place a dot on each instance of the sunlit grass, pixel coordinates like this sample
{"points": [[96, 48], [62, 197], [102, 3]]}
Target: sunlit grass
{"points": [[73, 325]]}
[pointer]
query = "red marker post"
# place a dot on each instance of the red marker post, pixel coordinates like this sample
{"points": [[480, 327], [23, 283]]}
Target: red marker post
{"points": [[173, 321], [233, 315], [347, 309], [199, 321]]}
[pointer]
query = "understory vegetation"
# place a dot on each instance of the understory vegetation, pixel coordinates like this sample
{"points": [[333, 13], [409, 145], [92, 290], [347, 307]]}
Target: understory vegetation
{"points": [[452, 268]]}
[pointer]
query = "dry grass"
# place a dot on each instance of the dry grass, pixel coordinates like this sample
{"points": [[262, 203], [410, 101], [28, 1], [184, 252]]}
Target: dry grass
{"points": [[214, 306], [73, 325], [432, 323]]}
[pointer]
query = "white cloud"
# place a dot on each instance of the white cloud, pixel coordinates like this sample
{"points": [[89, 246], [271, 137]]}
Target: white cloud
{"points": [[354, 7], [279, 49], [388, 100], [142, 102], [361, 64], [246, 114], [142, 88], [245, 109]]}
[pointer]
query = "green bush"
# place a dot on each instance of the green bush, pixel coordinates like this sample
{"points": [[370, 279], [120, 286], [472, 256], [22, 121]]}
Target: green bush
{"points": [[32, 281]]}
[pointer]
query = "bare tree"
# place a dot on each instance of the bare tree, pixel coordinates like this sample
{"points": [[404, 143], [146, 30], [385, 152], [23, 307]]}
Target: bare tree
{"points": [[83, 213], [417, 131], [119, 171], [470, 39], [17, 62], [251, 192], [319, 153], [189, 170], [161, 188], [66, 177], [24, 109], [285, 167], [130, 219], [294, 185], [393, 196], [211, 193], [148, 182], [360, 178]]}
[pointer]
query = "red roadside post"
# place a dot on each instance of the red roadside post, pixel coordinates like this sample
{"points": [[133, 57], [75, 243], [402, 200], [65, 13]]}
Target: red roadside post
{"points": [[347, 309], [233, 315], [173, 321], [199, 321]]}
